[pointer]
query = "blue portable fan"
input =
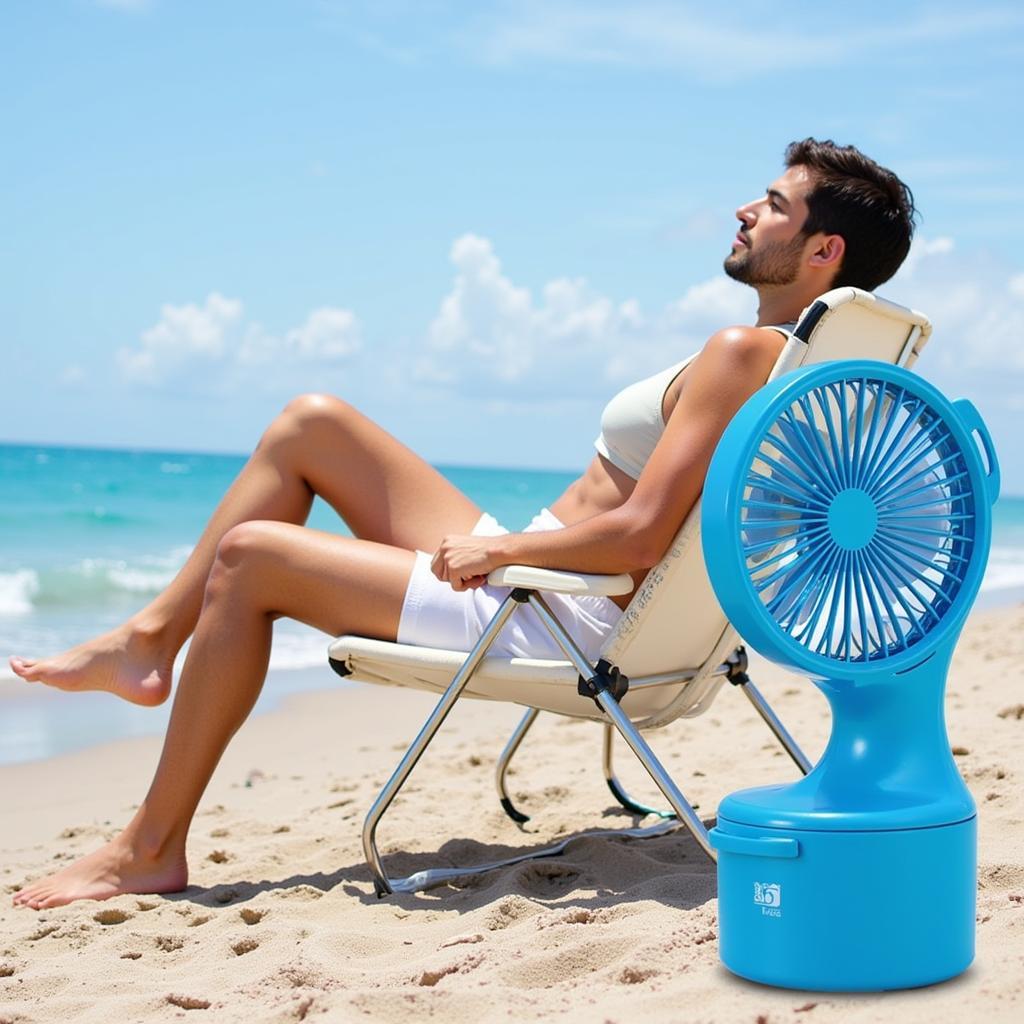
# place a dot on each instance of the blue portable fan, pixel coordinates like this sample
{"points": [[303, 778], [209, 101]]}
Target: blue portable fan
{"points": [[846, 526]]}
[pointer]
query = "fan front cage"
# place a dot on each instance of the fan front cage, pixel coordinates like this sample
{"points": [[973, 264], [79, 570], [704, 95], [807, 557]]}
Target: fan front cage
{"points": [[862, 516]]}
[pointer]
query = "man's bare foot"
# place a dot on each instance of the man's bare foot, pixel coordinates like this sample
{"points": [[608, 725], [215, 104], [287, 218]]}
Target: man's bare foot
{"points": [[112, 870], [127, 662]]}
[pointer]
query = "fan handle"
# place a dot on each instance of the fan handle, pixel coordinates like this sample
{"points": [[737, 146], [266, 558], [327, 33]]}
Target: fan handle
{"points": [[974, 424]]}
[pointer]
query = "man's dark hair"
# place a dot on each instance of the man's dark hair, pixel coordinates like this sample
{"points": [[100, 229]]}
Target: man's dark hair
{"points": [[867, 204]]}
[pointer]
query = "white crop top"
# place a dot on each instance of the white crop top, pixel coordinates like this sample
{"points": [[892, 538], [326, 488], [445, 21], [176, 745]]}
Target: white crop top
{"points": [[632, 424]]}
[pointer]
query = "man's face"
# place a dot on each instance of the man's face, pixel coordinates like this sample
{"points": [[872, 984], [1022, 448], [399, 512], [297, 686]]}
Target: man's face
{"points": [[769, 246]]}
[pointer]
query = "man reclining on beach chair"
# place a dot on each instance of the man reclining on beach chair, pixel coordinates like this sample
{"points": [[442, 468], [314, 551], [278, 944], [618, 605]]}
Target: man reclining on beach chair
{"points": [[417, 566]]}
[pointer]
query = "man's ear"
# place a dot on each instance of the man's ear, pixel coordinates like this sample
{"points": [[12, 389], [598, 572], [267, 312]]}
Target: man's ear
{"points": [[828, 251]]}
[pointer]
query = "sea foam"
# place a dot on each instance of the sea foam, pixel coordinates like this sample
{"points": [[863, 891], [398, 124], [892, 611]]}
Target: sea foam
{"points": [[17, 590]]}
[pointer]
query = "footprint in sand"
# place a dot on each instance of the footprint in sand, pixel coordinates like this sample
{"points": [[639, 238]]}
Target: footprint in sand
{"points": [[168, 943], [188, 1002], [429, 979], [131, 955], [580, 915], [555, 792], [298, 975], [250, 916], [111, 916], [546, 879], [636, 975], [219, 856], [244, 946]]}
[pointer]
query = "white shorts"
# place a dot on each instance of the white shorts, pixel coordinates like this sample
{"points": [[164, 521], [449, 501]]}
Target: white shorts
{"points": [[435, 615]]}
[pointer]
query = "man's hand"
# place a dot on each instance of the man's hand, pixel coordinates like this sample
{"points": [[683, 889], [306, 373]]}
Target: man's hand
{"points": [[464, 562]]}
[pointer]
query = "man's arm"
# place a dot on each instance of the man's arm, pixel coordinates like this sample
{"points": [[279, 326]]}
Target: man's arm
{"points": [[731, 367]]}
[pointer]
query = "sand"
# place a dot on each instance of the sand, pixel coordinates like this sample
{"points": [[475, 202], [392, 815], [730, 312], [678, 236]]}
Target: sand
{"points": [[281, 923]]}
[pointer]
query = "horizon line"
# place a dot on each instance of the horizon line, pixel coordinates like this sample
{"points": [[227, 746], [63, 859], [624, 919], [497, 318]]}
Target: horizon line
{"points": [[219, 453]]}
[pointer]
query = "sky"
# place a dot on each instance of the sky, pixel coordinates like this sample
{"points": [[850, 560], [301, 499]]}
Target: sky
{"points": [[475, 221]]}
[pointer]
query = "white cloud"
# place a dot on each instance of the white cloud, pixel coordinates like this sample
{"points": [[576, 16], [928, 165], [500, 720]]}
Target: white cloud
{"points": [[490, 337], [923, 249], [721, 43], [328, 334], [976, 304], [713, 43], [183, 335], [211, 340]]}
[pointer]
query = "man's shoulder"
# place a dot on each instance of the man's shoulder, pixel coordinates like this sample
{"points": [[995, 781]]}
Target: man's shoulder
{"points": [[742, 342]]}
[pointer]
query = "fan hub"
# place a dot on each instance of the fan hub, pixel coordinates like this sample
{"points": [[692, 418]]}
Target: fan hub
{"points": [[852, 519]]}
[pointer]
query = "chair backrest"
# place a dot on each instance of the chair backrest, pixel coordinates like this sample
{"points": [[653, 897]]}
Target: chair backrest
{"points": [[673, 621]]}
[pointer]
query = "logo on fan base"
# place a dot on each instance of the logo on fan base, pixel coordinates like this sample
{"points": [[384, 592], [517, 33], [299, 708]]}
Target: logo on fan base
{"points": [[768, 896]]}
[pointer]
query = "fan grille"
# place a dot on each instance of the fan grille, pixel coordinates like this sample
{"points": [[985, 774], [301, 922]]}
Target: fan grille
{"points": [[858, 519]]}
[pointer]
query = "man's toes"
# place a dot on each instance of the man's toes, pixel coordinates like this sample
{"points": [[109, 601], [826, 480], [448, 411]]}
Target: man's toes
{"points": [[41, 899], [27, 668], [28, 896]]}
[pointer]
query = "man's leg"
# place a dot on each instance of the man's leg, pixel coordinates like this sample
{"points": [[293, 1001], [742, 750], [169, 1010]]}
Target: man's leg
{"points": [[263, 570], [318, 445]]}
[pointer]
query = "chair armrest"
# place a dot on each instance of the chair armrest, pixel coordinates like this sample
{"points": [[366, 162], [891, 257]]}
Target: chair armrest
{"points": [[531, 578]]}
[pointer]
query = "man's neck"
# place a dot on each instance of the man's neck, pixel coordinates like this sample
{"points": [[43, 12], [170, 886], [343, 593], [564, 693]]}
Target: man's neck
{"points": [[783, 304]]}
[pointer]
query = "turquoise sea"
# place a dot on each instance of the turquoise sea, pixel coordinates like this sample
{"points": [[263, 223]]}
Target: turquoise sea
{"points": [[87, 536]]}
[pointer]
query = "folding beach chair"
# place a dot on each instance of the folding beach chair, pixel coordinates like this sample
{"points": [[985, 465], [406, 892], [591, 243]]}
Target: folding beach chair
{"points": [[668, 655]]}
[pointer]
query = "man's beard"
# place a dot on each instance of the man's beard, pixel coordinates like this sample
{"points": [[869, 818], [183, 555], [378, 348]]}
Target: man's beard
{"points": [[775, 263]]}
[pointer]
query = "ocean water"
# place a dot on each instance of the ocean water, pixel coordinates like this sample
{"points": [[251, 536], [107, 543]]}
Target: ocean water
{"points": [[88, 536]]}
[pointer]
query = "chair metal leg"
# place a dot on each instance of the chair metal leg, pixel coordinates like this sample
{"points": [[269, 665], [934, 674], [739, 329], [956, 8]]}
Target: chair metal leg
{"points": [[616, 787], [684, 812], [412, 755], [525, 723], [764, 709], [682, 807]]}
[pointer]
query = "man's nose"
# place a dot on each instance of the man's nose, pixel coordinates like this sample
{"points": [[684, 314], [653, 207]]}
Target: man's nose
{"points": [[746, 214]]}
